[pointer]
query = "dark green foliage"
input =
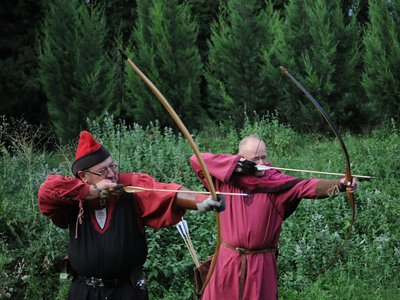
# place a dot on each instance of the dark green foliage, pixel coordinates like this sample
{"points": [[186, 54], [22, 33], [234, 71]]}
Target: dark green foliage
{"points": [[205, 12], [359, 8], [381, 77], [322, 51], [76, 73], [238, 38], [279, 4], [320, 43], [19, 89], [163, 46], [120, 16]]}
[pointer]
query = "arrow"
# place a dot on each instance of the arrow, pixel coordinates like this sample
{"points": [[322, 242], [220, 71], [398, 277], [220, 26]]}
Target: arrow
{"points": [[264, 168], [138, 189], [184, 232]]}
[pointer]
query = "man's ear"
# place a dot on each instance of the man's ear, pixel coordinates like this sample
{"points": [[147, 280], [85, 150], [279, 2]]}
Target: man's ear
{"points": [[82, 176]]}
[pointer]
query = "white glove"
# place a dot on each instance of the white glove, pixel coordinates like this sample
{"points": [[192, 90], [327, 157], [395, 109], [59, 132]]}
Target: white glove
{"points": [[210, 204]]}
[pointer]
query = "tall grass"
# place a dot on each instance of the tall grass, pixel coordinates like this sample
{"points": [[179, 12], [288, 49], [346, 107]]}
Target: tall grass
{"points": [[366, 267]]}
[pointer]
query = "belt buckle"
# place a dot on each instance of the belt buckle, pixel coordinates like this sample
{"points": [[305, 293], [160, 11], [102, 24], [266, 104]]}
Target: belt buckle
{"points": [[141, 283], [240, 250], [94, 282]]}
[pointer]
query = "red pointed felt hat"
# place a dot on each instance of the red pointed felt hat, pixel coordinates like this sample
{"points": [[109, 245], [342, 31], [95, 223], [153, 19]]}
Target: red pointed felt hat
{"points": [[89, 153]]}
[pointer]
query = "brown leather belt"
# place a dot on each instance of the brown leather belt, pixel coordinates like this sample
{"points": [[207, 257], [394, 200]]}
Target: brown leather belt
{"points": [[243, 266]]}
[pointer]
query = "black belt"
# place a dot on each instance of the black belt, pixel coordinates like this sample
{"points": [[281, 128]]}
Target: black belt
{"points": [[102, 282]]}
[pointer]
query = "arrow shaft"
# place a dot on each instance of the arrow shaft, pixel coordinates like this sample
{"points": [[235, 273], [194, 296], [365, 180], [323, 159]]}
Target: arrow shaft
{"points": [[138, 189], [184, 232], [317, 172]]}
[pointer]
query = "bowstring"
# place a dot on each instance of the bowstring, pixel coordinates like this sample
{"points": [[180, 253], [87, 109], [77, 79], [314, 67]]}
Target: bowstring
{"points": [[121, 92]]}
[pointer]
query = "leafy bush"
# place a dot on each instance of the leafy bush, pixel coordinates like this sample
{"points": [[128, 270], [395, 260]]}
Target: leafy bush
{"points": [[31, 247], [316, 261]]}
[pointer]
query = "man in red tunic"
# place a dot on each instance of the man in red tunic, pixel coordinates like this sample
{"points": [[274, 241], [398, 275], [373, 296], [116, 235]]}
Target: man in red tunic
{"points": [[108, 246], [250, 225]]}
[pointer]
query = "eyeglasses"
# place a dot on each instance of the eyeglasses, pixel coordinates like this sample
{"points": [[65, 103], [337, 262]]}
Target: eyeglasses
{"points": [[104, 171]]}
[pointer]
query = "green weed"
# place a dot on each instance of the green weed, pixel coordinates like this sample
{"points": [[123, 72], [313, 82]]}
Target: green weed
{"points": [[365, 266]]}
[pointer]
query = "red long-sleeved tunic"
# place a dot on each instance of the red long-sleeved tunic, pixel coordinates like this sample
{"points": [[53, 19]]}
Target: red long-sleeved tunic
{"points": [[250, 222]]}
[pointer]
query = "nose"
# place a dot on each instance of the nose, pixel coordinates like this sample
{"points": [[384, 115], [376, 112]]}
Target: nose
{"points": [[111, 172], [261, 160]]}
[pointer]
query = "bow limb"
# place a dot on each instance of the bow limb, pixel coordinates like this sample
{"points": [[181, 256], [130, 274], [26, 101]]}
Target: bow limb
{"points": [[196, 151], [332, 125]]}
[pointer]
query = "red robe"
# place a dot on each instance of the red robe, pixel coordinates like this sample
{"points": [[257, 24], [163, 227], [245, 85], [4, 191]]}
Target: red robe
{"points": [[250, 222], [118, 247]]}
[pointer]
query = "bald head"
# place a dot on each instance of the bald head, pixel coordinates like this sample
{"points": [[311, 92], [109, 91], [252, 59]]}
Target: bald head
{"points": [[253, 148]]}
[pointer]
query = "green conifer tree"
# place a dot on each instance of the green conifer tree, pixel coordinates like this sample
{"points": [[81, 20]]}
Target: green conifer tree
{"points": [[205, 12], [74, 70], [163, 46], [322, 51], [238, 39], [19, 89], [381, 77]]}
